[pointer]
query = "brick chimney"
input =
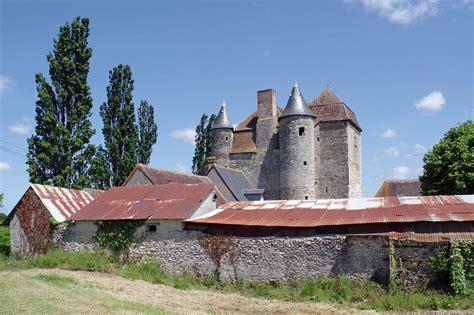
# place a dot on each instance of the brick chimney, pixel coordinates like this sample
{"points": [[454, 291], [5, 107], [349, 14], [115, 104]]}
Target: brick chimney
{"points": [[266, 104]]}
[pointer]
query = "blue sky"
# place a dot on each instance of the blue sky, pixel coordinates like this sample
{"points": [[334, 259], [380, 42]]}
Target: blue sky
{"points": [[404, 66]]}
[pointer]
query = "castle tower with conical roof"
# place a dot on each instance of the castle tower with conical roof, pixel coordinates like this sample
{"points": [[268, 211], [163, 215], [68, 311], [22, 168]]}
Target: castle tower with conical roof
{"points": [[297, 168], [222, 132]]}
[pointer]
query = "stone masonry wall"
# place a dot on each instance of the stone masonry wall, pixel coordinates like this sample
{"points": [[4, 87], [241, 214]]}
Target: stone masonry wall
{"points": [[354, 162], [264, 258]]}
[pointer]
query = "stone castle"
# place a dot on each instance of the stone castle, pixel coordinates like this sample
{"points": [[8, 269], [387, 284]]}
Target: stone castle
{"points": [[306, 151]]}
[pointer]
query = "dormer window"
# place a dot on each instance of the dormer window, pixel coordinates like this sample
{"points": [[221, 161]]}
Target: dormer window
{"points": [[301, 131]]}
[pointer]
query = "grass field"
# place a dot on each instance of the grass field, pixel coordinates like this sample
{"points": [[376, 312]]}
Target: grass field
{"points": [[340, 292], [55, 294]]}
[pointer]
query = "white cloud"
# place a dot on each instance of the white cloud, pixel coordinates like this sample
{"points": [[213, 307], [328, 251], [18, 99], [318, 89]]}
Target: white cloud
{"points": [[403, 12], [187, 135], [431, 103], [420, 149], [401, 172], [180, 167], [409, 156], [389, 133], [6, 84], [392, 152], [20, 128], [4, 166]]}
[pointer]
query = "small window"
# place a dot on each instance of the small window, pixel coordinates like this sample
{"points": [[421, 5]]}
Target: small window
{"points": [[326, 189], [214, 198], [226, 139], [301, 131], [305, 163], [151, 228], [306, 197], [317, 139]]}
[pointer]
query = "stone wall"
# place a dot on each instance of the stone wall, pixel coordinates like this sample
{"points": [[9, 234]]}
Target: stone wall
{"points": [[262, 258], [354, 161]]}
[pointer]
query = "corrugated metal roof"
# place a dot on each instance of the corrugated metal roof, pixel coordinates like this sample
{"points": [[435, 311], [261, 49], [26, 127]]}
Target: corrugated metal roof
{"points": [[171, 201], [62, 203], [333, 212]]}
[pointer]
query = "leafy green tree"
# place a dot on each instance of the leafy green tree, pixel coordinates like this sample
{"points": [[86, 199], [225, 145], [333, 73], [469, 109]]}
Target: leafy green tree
{"points": [[125, 142], [202, 148], [59, 152], [449, 166], [2, 215], [147, 132]]}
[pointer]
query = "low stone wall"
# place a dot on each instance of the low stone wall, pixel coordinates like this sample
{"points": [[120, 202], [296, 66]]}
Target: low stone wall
{"points": [[260, 258]]}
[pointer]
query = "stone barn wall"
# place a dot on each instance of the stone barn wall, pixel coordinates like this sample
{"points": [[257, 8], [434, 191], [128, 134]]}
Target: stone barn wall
{"points": [[258, 258]]}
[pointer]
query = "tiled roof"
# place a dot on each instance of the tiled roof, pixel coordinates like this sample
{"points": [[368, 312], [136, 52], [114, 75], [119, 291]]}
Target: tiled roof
{"points": [[158, 176], [329, 107], [399, 188], [170, 201], [338, 212], [235, 180]]}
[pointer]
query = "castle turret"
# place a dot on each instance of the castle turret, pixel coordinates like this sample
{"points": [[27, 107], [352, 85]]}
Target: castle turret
{"points": [[297, 167], [222, 132]]}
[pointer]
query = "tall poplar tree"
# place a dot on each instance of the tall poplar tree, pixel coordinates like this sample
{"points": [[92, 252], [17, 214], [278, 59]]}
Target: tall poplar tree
{"points": [[202, 148], [59, 152], [147, 132], [126, 143]]}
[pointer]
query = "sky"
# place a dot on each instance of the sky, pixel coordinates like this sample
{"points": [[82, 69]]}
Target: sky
{"points": [[405, 67]]}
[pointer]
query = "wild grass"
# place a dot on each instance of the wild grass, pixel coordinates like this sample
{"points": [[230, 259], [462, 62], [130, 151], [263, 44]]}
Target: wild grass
{"points": [[340, 290]]}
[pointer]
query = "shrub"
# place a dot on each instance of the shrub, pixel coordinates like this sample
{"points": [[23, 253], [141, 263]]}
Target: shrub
{"points": [[4, 241]]}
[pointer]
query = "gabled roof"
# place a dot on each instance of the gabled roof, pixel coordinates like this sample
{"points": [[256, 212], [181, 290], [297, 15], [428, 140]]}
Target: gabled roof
{"points": [[338, 212], [399, 188], [235, 180], [163, 202], [62, 203], [329, 107], [158, 176]]}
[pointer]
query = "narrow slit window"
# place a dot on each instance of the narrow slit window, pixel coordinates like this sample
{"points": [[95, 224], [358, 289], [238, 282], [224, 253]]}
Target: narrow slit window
{"points": [[318, 139], [326, 189], [305, 163], [226, 139], [301, 131]]}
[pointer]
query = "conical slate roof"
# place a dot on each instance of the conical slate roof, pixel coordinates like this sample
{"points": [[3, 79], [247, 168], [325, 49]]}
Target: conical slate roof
{"points": [[222, 120], [296, 105]]}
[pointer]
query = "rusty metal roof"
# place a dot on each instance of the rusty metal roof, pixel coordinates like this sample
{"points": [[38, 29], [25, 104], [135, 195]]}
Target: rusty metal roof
{"points": [[336, 212], [171, 202], [62, 203]]}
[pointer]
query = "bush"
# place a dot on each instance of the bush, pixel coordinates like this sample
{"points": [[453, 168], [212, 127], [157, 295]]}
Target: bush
{"points": [[4, 241]]}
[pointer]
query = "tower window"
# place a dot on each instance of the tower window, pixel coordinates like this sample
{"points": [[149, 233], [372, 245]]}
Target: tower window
{"points": [[326, 188], [318, 139], [305, 163], [306, 197], [301, 131], [226, 139]]}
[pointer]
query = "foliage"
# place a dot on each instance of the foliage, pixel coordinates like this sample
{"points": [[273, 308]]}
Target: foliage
{"points": [[147, 132], [449, 166], [4, 241], [2, 217], [126, 142], [117, 236], [202, 148], [59, 152], [218, 246], [454, 265], [342, 290]]}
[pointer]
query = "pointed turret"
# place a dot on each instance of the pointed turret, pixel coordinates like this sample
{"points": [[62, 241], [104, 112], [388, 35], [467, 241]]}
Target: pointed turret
{"points": [[296, 105], [222, 120]]}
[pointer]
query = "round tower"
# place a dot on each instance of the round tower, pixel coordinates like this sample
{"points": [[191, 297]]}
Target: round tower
{"points": [[297, 169], [221, 133]]}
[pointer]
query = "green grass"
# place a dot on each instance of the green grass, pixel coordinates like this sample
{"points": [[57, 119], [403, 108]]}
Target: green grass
{"points": [[54, 294], [341, 290]]}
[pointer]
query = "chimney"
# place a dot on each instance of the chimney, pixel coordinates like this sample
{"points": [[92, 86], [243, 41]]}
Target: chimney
{"points": [[266, 104]]}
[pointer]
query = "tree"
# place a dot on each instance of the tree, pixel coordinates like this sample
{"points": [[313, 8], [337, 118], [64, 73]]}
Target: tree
{"points": [[125, 143], [59, 152], [449, 166], [2, 215], [147, 132], [202, 149]]}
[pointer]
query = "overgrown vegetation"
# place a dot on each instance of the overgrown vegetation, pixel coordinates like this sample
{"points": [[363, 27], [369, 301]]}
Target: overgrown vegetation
{"points": [[117, 236], [347, 292], [202, 149], [4, 241], [454, 264]]}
